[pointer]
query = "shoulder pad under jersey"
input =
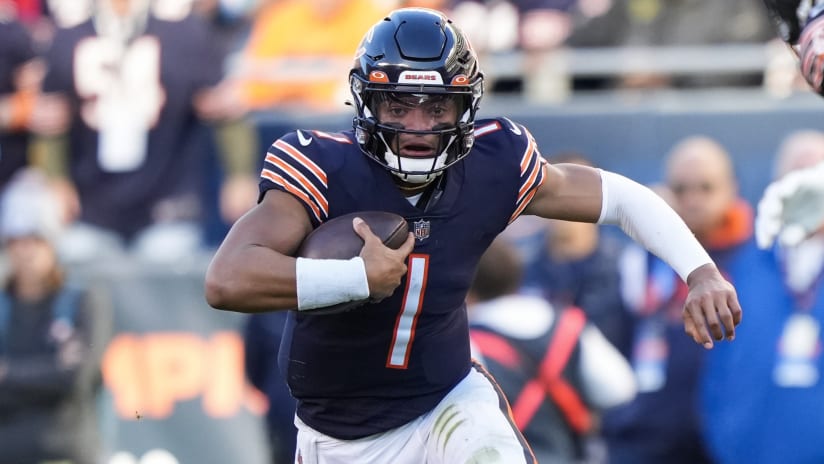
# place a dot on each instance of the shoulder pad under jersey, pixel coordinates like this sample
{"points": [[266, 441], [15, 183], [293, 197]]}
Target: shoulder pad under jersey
{"points": [[300, 163]]}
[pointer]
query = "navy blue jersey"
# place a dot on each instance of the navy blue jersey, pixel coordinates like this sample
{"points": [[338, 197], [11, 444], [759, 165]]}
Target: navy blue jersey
{"points": [[15, 49], [154, 79], [384, 364]]}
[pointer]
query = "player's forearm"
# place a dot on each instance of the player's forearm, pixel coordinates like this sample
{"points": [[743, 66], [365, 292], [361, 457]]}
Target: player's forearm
{"points": [[251, 279], [253, 270], [648, 220]]}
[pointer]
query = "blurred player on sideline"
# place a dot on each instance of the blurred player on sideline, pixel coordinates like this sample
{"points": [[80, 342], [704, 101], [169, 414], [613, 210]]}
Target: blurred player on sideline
{"points": [[792, 207], [556, 367], [393, 381]]}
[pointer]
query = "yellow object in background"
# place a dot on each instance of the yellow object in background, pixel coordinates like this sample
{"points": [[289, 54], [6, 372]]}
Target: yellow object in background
{"points": [[299, 52]]}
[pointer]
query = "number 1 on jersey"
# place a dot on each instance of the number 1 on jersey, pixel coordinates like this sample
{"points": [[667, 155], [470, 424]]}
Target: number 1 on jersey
{"points": [[418, 269]]}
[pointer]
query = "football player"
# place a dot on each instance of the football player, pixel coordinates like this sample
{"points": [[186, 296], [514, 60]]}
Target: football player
{"points": [[393, 381], [792, 207]]}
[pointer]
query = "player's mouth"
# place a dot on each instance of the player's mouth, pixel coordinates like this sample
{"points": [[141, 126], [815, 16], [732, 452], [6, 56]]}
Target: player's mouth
{"points": [[417, 149]]}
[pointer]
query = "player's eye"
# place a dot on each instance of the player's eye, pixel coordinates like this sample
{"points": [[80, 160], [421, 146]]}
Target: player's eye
{"points": [[437, 110], [398, 111]]}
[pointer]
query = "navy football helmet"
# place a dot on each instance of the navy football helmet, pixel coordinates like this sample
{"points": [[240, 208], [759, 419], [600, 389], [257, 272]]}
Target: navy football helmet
{"points": [[419, 54]]}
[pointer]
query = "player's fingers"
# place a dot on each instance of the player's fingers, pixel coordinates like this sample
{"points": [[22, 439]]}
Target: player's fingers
{"points": [[699, 332], [408, 245], [788, 185], [711, 312], [724, 314], [690, 327], [364, 231], [735, 309]]}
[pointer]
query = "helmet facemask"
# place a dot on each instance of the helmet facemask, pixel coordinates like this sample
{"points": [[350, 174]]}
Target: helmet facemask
{"points": [[382, 140]]}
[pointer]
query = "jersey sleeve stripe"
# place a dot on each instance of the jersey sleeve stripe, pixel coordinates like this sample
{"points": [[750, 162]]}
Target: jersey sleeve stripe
{"points": [[528, 155], [300, 194], [487, 129], [302, 159], [522, 206], [301, 181], [536, 179], [529, 182], [336, 138]]}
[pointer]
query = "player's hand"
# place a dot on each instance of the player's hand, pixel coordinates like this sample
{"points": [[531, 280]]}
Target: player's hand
{"points": [[711, 311], [811, 52], [791, 208], [385, 267]]}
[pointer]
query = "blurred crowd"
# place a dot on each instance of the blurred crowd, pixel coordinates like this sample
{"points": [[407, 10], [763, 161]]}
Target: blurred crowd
{"points": [[743, 401], [118, 100], [107, 107]]}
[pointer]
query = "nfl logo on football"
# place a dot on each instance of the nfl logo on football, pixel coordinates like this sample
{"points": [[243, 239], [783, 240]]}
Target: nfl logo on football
{"points": [[421, 229]]}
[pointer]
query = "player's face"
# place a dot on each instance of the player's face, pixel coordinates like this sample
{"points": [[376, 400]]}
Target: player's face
{"points": [[418, 113]]}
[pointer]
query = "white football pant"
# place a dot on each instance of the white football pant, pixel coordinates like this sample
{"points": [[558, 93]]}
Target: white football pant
{"points": [[467, 427]]}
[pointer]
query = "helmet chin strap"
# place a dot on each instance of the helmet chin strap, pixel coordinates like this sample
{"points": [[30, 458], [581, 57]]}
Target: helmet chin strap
{"points": [[415, 181], [409, 188], [415, 170], [410, 169]]}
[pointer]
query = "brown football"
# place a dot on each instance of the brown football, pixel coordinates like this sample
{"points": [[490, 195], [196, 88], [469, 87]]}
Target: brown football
{"points": [[336, 239]]}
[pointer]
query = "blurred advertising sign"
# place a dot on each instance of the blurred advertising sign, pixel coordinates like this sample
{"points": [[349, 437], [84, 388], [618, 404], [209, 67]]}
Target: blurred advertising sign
{"points": [[175, 390]]}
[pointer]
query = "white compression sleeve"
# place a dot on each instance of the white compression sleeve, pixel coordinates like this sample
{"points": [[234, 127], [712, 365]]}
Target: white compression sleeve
{"points": [[324, 282], [649, 220]]}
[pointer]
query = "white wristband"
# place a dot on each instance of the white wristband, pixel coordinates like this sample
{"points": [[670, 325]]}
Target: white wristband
{"points": [[325, 282], [649, 220]]}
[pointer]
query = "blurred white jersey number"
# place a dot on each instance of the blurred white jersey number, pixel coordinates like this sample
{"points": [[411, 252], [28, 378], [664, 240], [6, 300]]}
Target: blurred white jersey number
{"points": [[121, 96]]}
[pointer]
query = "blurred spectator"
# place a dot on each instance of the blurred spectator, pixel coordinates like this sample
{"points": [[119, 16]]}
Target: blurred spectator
{"points": [[662, 423], [17, 92], [535, 27], [262, 337], [762, 395], [231, 21], [693, 22], [299, 49], [557, 370], [52, 336], [135, 163], [22, 107], [28, 11], [506, 25], [577, 266], [70, 13]]}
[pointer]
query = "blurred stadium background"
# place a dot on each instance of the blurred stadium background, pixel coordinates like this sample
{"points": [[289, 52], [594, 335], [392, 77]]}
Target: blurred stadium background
{"points": [[627, 80]]}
